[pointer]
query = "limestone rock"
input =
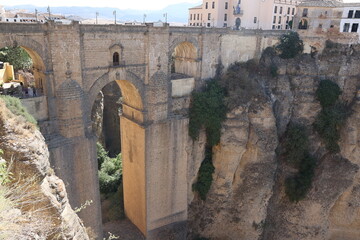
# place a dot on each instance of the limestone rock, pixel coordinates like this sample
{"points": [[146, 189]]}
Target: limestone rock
{"points": [[49, 209]]}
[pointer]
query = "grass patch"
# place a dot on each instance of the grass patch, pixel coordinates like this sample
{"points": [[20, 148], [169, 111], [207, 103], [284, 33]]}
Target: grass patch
{"points": [[15, 106]]}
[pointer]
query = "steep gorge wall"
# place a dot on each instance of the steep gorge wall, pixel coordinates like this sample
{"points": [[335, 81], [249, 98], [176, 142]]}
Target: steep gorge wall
{"points": [[247, 198], [44, 210]]}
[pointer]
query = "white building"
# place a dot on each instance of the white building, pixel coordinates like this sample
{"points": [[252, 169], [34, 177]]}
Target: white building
{"points": [[350, 19], [248, 14]]}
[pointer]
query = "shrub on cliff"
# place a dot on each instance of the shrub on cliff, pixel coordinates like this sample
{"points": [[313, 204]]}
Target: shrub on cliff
{"points": [[296, 152], [296, 143], [204, 180], [290, 45], [207, 110], [332, 116]]}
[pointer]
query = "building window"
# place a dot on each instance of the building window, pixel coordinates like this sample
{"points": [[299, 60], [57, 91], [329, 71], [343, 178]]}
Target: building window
{"points": [[279, 26], [225, 25], [274, 21], [208, 24], [275, 9], [206, 5], [287, 19], [198, 18], [226, 5], [357, 14], [303, 24], [354, 27], [320, 25], [280, 10], [273, 26], [190, 17], [225, 17], [255, 19], [293, 11], [213, 5], [305, 12], [279, 19], [346, 27], [116, 59], [209, 16], [288, 11], [350, 14]]}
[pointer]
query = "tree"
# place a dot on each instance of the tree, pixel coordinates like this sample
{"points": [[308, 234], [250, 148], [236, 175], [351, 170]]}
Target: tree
{"points": [[290, 45], [17, 57]]}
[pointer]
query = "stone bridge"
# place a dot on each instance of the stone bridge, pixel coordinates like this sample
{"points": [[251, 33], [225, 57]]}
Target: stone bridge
{"points": [[72, 63]]}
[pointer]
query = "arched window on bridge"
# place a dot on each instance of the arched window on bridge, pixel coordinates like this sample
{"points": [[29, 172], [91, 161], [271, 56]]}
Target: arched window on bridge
{"points": [[116, 59]]}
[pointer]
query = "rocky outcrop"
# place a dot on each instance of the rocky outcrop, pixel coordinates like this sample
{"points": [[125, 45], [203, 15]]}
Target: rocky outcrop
{"points": [[41, 202], [247, 198]]}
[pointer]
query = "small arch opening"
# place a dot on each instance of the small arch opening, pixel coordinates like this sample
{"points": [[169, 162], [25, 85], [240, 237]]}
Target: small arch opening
{"points": [[116, 59]]}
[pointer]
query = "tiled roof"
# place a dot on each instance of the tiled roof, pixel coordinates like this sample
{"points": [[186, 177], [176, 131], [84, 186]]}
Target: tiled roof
{"points": [[321, 3], [197, 7]]}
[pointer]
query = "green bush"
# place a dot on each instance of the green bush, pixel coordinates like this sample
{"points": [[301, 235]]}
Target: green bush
{"points": [[102, 154], [273, 70], [207, 110], [15, 106], [332, 116], [296, 143], [17, 57], [290, 45], [328, 93], [110, 173], [298, 186], [328, 124], [204, 180]]}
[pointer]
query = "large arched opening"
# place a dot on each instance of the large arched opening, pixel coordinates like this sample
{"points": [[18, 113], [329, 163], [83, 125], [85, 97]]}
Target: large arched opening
{"points": [[184, 60], [23, 75], [22, 65], [123, 201]]}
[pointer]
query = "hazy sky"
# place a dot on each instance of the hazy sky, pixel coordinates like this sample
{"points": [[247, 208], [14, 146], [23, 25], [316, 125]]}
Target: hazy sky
{"points": [[122, 4]]}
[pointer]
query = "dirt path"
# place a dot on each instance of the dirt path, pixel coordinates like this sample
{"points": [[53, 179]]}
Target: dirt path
{"points": [[124, 229]]}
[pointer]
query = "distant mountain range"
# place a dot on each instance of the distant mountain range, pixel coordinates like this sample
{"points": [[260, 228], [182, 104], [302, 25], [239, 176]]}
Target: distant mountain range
{"points": [[175, 13]]}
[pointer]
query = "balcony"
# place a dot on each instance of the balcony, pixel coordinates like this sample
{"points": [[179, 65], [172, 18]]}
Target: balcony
{"points": [[238, 12]]}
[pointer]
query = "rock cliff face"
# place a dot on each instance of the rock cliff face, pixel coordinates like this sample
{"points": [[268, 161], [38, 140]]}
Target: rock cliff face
{"points": [[42, 210], [247, 198]]}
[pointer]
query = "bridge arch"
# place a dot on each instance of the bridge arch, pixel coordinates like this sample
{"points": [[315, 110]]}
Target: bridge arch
{"points": [[132, 141], [131, 86], [184, 57], [36, 52]]}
